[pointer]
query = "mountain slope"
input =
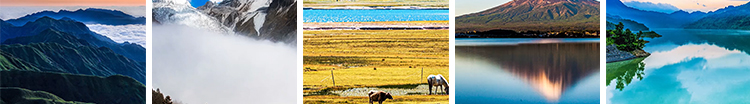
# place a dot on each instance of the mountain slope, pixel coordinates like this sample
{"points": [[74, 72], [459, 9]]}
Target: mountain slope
{"points": [[55, 51], [281, 22], [273, 20], [534, 15], [88, 16], [179, 12], [728, 18], [652, 19], [115, 89], [629, 24], [74, 28], [15, 95]]}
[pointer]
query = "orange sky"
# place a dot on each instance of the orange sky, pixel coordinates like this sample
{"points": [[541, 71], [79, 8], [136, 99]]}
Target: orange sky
{"points": [[73, 2]]}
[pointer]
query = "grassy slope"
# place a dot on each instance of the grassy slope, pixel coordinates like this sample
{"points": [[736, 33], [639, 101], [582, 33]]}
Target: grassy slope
{"points": [[15, 95], [54, 51], [353, 54], [116, 89]]}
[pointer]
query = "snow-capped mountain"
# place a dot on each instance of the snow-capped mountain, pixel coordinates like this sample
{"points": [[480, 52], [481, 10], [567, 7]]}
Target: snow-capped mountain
{"points": [[273, 20], [181, 13]]}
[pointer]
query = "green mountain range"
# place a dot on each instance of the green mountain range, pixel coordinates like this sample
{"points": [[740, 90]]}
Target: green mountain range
{"points": [[15, 95], [629, 24], [727, 18], [115, 89], [534, 15], [55, 51], [61, 61]]}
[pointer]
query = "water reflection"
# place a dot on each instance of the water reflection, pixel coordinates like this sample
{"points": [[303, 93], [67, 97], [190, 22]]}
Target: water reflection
{"points": [[624, 72], [549, 68], [686, 66]]}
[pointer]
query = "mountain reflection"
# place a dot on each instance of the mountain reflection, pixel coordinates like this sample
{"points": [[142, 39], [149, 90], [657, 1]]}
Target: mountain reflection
{"points": [[549, 67]]}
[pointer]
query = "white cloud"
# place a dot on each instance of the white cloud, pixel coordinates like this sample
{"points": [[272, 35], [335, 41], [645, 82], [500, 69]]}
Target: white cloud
{"points": [[686, 52], [196, 66], [216, 1], [121, 33]]}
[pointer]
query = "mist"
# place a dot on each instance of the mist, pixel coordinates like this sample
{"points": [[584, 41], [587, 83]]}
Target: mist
{"points": [[195, 66]]}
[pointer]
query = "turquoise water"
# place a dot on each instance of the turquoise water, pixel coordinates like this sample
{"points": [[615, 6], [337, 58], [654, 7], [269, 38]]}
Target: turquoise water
{"points": [[527, 70], [374, 15], [685, 66]]}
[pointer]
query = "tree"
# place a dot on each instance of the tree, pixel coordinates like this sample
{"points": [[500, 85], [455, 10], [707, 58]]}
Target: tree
{"points": [[625, 40]]}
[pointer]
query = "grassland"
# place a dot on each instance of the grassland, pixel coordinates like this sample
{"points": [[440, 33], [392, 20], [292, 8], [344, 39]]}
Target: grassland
{"points": [[377, 3], [367, 58], [425, 99], [382, 24]]}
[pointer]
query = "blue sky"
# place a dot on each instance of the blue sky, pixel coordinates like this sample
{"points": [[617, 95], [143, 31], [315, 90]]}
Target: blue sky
{"points": [[198, 3], [472, 6]]}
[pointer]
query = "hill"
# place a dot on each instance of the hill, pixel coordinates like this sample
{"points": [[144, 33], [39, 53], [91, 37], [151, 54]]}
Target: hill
{"points": [[74, 28], [15, 95], [727, 18], [652, 19], [533, 15], [116, 89], [55, 51], [629, 24]]}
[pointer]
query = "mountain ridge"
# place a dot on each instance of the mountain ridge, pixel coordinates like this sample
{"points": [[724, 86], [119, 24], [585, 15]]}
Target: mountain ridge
{"points": [[88, 15], [55, 51], [115, 89], [74, 28], [533, 15], [730, 17]]}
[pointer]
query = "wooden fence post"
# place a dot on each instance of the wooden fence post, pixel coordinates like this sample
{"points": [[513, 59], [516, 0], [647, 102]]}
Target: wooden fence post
{"points": [[334, 80]]}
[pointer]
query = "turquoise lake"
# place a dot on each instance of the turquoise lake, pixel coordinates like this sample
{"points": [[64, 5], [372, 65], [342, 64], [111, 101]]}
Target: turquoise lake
{"points": [[686, 66], [527, 70], [374, 15]]}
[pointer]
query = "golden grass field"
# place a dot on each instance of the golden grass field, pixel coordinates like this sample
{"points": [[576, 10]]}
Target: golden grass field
{"points": [[354, 54], [390, 23], [412, 99]]}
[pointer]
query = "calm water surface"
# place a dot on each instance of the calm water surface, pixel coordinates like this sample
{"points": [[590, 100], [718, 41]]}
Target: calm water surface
{"points": [[685, 66], [374, 15], [527, 71]]}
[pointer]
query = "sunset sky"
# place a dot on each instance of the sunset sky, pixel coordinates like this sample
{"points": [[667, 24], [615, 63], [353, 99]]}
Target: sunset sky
{"points": [[73, 2]]}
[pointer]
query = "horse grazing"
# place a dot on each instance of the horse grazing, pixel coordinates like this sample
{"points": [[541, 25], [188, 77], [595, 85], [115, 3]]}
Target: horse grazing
{"points": [[437, 81], [379, 96]]}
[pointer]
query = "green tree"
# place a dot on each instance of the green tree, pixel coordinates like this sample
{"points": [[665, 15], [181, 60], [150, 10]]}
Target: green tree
{"points": [[625, 40]]}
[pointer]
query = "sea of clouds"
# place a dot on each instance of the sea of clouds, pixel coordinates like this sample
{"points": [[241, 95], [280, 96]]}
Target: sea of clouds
{"points": [[196, 66], [122, 33]]}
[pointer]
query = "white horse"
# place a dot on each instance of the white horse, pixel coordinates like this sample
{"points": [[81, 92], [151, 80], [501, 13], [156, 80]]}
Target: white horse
{"points": [[437, 81]]}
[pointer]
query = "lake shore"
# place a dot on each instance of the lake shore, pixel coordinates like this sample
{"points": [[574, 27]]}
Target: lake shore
{"points": [[395, 25], [616, 55]]}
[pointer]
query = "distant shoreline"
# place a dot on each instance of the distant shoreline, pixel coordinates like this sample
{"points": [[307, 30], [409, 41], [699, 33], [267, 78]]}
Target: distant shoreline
{"points": [[391, 25]]}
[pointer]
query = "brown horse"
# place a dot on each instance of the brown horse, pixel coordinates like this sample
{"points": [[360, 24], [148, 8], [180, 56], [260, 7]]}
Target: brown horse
{"points": [[379, 96]]}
